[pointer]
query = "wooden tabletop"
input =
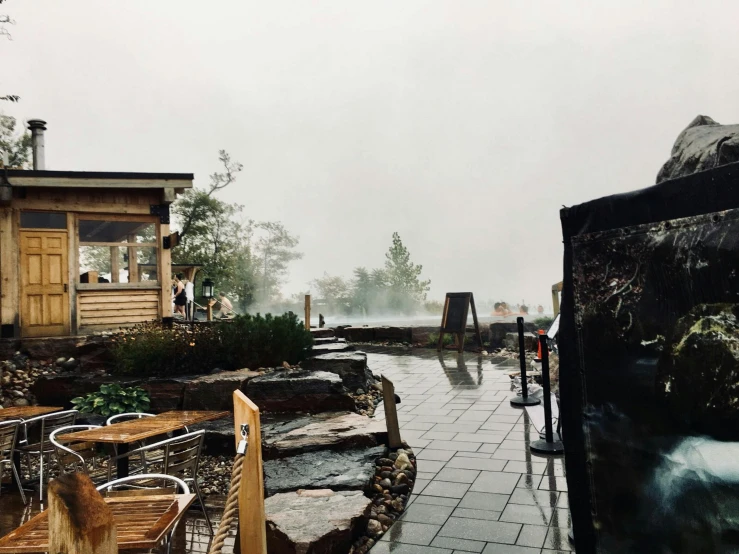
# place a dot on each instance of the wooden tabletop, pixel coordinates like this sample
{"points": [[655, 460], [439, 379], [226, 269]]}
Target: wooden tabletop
{"points": [[146, 427], [141, 522], [27, 412]]}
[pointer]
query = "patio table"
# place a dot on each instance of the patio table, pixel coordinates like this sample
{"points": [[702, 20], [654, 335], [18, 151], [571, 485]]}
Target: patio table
{"points": [[127, 432], [27, 412], [142, 522]]}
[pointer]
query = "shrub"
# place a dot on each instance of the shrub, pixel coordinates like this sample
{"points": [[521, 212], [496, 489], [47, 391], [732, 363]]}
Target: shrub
{"points": [[113, 399], [543, 322], [434, 340], [246, 341]]}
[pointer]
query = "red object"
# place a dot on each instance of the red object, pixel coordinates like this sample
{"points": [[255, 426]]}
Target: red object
{"points": [[538, 352]]}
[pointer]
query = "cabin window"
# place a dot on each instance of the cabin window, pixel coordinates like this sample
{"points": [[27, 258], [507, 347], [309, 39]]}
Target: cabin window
{"points": [[117, 251], [43, 220]]}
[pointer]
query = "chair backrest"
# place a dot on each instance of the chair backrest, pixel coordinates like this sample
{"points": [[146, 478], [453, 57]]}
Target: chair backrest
{"points": [[8, 434], [73, 455], [127, 416], [183, 453], [141, 483], [39, 428]]}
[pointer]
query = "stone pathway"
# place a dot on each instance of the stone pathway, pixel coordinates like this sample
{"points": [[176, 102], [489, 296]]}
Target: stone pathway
{"points": [[478, 489]]}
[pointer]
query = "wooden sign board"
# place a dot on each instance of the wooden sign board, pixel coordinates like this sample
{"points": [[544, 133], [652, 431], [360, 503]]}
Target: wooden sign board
{"points": [[454, 319]]}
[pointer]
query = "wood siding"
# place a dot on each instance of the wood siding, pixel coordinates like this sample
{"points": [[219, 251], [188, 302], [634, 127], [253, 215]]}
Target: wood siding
{"points": [[110, 309]]}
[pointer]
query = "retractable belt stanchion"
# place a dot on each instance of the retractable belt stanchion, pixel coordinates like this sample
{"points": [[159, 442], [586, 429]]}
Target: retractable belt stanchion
{"points": [[523, 399], [549, 445]]}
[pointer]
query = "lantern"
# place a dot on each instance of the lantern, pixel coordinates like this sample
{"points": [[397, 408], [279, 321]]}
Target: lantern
{"points": [[208, 288]]}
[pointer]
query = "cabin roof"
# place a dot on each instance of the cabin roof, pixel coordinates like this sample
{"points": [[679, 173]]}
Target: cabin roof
{"points": [[109, 179]]}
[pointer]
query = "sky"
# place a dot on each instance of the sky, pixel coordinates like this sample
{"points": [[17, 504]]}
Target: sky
{"points": [[463, 125]]}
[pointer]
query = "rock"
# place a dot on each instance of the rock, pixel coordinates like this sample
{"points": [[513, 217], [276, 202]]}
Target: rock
{"points": [[359, 334], [21, 402], [331, 347], [374, 528], [326, 340], [698, 376], [165, 394], [60, 361], [703, 144], [296, 391], [305, 523], [215, 391], [332, 430], [402, 462], [529, 341], [422, 335], [345, 470], [322, 333], [385, 484], [393, 334], [498, 331], [70, 364], [58, 390], [350, 366]]}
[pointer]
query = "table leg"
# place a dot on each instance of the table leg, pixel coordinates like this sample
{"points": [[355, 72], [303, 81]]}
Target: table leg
{"points": [[122, 463]]}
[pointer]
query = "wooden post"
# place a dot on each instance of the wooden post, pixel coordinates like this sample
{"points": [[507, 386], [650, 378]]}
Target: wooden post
{"points": [[307, 312], [391, 413], [252, 525], [80, 522], [115, 267], [209, 311], [164, 271]]}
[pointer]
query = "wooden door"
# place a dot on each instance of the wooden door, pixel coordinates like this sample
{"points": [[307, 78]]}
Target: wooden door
{"points": [[44, 289]]}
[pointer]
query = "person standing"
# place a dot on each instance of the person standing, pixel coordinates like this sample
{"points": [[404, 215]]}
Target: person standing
{"points": [[190, 297], [179, 296]]}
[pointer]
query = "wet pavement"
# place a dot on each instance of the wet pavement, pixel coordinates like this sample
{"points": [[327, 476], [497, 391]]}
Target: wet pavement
{"points": [[479, 489]]}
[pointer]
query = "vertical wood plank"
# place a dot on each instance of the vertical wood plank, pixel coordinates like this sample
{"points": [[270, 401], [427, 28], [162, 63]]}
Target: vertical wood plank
{"points": [[391, 413], [73, 271], [115, 266], [9, 303], [165, 271], [307, 312], [80, 522], [252, 526]]}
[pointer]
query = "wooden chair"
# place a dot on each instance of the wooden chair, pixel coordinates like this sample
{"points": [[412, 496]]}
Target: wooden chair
{"points": [[181, 459], [146, 484], [8, 436], [80, 455], [35, 441]]}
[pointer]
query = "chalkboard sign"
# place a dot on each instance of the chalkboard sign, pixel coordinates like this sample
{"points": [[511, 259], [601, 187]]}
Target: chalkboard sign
{"points": [[454, 320]]}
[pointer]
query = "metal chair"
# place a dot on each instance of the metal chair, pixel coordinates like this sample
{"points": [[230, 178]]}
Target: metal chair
{"points": [[35, 441], [181, 459], [79, 456], [141, 482], [8, 436], [125, 417]]}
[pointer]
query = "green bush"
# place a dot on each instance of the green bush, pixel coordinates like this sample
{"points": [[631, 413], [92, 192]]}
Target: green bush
{"points": [[434, 340], [543, 322], [113, 399], [245, 341]]}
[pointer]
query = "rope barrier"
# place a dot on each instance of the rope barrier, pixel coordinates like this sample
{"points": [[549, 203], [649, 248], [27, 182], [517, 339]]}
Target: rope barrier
{"points": [[230, 512]]}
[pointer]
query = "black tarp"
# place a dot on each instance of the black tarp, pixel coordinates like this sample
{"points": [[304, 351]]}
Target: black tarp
{"points": [[649, 346]]}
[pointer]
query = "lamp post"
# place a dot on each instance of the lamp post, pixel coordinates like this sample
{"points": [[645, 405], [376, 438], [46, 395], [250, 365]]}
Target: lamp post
{"points": [[208, 294]]}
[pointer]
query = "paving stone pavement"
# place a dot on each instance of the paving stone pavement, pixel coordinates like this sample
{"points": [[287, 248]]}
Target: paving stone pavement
{"points": [[479, 489]]}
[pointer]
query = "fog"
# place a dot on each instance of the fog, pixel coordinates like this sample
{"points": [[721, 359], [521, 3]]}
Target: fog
{"points": [[464, 126]]}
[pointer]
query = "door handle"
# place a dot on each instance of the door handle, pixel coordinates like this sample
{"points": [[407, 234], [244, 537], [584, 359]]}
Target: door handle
{"points": [[66, 287]]}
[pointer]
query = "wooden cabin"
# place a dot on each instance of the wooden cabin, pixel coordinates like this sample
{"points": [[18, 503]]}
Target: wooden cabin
{"points": [[84, 251]]}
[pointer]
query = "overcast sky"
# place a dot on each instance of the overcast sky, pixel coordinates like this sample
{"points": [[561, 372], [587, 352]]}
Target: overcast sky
{"points": [[463, 125]]}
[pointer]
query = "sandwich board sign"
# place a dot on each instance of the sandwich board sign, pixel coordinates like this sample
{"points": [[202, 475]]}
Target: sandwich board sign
{"points": [[454, 319]]}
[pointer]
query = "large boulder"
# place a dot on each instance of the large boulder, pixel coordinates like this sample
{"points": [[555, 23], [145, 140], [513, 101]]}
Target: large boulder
{"points": [[331, 347], [346, 470], [215, 391], [165, 394], [299, 391], [699, 373], [704, 144], [422, 335], [58, 390], [359, 334], [315, 522], [322, 333], [500, 329], [327, 431], [530, 341], [350, 366], [393, 334]]}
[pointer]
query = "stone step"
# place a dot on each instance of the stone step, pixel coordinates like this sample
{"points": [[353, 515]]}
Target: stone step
{"points": [[299, 391], [331, 347], [350, 366], [327, 340], [322, 333]]}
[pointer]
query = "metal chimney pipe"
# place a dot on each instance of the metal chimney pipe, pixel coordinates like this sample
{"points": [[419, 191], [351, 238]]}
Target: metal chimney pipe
{"points": [[38, 126]]}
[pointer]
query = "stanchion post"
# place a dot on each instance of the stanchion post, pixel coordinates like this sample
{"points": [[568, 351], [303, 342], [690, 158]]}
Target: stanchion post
{"points": [[252, 526], [548, 445], [307, 312], [523, 399], [391, 414]]}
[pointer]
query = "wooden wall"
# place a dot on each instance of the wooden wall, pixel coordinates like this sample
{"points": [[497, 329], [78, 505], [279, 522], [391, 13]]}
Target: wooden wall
{"points": [[98, 310]]}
